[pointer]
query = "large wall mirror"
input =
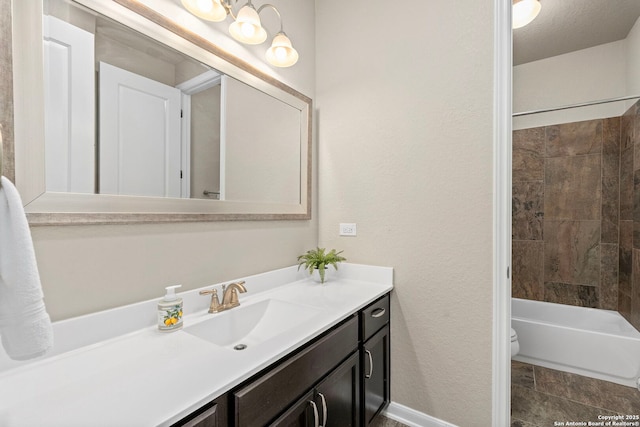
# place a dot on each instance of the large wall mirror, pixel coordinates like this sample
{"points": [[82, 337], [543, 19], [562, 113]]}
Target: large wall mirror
{"points": [[139, 120]]}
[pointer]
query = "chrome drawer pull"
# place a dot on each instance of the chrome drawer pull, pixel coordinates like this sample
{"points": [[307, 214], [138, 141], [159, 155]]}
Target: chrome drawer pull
{"points": [[315, 414], [370, 364], [378, 312], [325, 413]]}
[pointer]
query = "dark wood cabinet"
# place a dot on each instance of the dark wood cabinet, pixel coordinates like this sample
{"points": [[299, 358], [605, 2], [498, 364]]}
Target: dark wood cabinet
{"points": [[340, 379], [334, 402], [338, 396], [303, 413], [373, 317], [375, 374], [262, 399], [212, 415], [375, 358]]}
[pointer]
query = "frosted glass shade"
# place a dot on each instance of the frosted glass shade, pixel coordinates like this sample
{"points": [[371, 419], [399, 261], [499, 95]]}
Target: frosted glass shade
{"points": [[524, 11], [247, 28], [281, 53], [209, 10]]}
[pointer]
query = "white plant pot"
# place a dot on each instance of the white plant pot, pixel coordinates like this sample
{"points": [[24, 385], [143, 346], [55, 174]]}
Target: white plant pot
{"points": [[329, 273]]}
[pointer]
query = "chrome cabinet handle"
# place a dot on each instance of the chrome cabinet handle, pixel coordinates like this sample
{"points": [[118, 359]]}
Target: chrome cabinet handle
{"points": [[378, 312], [316, 422], [325, 412], [370, 364]]}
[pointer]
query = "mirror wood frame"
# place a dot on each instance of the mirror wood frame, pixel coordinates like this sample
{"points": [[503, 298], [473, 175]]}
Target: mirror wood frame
{"points": [[22, 119]]}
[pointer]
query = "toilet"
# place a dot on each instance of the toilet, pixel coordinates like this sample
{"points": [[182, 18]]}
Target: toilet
{"points": [[515, 346]]}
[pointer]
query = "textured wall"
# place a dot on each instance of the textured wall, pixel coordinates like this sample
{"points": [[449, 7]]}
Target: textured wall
{"points": [[568, 79], [6, 89], [633, 60], [565, 213], [405, 151]]}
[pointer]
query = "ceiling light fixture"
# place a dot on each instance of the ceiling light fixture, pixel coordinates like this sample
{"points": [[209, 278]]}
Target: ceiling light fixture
{"points": [[246, 27], [524, 11]]}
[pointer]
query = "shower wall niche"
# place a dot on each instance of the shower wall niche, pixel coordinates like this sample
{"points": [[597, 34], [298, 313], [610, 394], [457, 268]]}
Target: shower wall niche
{"points": [[574, 190]]}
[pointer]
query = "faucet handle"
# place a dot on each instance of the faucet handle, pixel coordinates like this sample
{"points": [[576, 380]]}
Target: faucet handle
{"points": [[234, 299], [215, 306]]}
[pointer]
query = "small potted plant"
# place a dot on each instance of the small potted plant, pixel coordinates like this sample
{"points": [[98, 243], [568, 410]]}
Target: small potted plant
{"points": [[316, 261]]}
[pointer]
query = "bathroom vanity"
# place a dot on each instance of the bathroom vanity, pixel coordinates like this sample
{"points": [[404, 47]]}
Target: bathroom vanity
{"points": [[315, 355], [342, 378]]}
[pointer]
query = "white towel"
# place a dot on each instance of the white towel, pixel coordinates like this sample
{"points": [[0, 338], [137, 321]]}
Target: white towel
{"points": [[25, 326]]}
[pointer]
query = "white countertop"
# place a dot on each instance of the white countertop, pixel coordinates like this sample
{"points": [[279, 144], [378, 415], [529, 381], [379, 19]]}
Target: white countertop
{"points": [[131, 374]]}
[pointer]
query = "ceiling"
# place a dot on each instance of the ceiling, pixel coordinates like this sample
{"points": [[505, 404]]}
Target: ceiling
{"points": [[567, 25]]}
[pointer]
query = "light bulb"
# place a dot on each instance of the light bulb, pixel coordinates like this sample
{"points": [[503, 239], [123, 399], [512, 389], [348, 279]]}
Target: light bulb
{"points": [[248, 29], [210, 10], [281, 53], [205, 5]]}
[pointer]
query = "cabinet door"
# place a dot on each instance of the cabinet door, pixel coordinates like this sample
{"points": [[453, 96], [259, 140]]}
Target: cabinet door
{"points": [[213, 414], [338, 396], [208, 418], [304, 413], [262, 400], [375, 374]]}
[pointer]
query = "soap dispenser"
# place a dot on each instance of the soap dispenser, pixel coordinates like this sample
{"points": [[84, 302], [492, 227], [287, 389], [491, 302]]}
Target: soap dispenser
{"points": [[170, 310]]}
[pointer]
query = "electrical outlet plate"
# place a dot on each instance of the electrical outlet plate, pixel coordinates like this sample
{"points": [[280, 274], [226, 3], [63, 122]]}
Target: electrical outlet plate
{"points": [[347, 229]]}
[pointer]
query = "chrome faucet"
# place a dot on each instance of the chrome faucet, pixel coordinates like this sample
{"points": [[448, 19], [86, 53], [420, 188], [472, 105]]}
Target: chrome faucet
{"points": [[229, 297]]}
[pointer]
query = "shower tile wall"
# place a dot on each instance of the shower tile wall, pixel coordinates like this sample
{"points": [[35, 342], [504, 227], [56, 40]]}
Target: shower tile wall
{"points": [[566, 213], [629, 282]]}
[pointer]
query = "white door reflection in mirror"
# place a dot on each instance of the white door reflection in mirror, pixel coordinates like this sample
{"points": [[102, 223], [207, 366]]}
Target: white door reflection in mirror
{"points": [[70, 107], [201, 135], [139, 135]]}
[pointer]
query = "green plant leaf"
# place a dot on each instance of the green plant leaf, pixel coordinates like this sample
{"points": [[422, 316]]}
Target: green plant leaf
{"points": [[319, 259]]}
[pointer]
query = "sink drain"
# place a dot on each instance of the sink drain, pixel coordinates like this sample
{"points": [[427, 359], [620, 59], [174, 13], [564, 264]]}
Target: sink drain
{"points": [[240, 347]]}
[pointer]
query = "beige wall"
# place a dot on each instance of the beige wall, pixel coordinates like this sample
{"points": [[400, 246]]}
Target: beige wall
{"points": [[582, 76], [601, 72], [405, 151], [633, 60], [90, 268]]}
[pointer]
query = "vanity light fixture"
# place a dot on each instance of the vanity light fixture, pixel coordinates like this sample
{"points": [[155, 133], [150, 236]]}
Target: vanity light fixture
{"points": [[524, 11], [246, 27]]}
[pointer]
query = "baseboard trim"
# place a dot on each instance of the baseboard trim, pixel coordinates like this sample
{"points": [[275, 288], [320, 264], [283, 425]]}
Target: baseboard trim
{"points": [[413, 418]]}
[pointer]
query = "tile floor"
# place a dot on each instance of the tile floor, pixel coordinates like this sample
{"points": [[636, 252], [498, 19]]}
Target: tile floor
{"points": [[540, 397], [382, 421]]}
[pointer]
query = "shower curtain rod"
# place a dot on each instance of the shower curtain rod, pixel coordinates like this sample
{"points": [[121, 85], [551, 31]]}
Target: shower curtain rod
{"points": [[566, 107]]}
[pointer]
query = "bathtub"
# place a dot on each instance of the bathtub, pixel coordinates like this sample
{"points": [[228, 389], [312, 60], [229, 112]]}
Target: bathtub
{"points": [[595, 343]]}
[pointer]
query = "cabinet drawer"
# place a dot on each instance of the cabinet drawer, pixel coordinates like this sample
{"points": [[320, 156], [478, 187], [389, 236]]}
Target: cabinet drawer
{"points": [[374, 317], [263, 399]]}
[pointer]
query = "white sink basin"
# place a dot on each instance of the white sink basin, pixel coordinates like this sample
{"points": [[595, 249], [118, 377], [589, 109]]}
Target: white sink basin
{"points": [[250, 325]]}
